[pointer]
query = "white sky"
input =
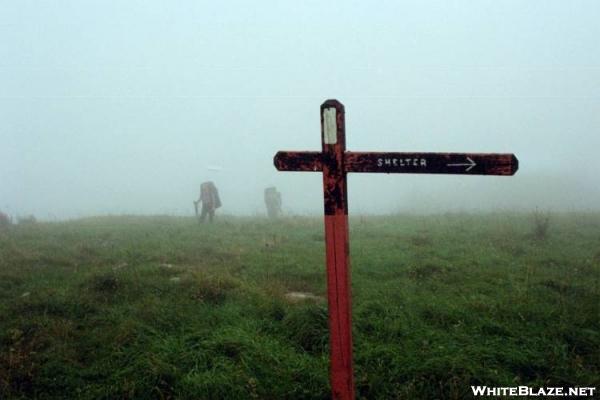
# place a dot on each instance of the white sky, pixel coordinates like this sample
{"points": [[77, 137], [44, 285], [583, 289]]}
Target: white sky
{"points": [[120, 106]]}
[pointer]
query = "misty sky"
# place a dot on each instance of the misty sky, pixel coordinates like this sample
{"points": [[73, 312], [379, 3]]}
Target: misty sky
{"points": [[114, 107]]}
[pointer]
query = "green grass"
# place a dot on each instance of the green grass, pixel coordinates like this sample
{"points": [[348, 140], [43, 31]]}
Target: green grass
{"points": [[160, 307]]}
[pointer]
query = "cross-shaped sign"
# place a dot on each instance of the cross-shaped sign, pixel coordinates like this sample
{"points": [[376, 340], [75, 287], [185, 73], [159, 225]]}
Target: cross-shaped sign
{"points": [[335, 162]]}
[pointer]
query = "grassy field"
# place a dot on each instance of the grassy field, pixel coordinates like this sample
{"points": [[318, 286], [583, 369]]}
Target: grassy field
{"points": [[161, 307]]}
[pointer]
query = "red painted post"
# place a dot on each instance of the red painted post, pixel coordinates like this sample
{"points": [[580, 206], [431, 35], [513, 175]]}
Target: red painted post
{"points": [[337, 249]]}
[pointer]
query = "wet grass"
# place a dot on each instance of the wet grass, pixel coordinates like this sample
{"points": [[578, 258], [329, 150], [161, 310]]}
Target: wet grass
{"points": [[160, 307]]}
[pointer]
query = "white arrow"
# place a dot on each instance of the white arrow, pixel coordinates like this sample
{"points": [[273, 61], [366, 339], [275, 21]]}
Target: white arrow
{"points": [[471, 164]]}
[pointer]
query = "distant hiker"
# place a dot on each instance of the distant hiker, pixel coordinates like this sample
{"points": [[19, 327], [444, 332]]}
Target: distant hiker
{"points": [[209, 197], [273, 202], [5, 221]]}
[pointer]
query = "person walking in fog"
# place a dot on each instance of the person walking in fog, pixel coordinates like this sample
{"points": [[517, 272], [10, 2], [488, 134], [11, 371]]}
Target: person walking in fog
{"points": [[209, 197], [273, 202]]}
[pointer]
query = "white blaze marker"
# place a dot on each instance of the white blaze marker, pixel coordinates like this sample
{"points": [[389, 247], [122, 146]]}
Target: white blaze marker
{"points": [[329, 126]]}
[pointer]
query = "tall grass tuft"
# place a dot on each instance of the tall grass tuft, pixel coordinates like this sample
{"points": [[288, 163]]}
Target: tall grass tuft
{"points": [[307, 327]]}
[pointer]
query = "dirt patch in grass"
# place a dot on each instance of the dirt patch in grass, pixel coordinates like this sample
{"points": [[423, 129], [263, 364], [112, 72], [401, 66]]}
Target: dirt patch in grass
{"points": [[299, 297]]}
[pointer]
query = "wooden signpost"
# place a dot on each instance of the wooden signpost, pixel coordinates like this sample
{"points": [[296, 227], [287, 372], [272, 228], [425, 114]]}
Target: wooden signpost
{"points": [[335, 162]]}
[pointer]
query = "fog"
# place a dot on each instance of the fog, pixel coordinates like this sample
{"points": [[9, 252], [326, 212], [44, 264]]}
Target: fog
{"points": [[113, 107]]}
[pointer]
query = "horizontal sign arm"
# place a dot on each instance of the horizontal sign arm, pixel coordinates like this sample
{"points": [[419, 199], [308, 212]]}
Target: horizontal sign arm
{"points": [[432, 163], [298, 161], [410, 163]]}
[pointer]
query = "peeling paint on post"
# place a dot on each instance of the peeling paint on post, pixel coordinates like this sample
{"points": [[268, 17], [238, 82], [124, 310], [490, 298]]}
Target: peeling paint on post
{"points": [[335, 162], [337, 249]]}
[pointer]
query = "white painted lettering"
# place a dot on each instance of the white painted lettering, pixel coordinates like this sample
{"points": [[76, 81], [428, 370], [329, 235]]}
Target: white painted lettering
{"points": [[402, 162]]}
